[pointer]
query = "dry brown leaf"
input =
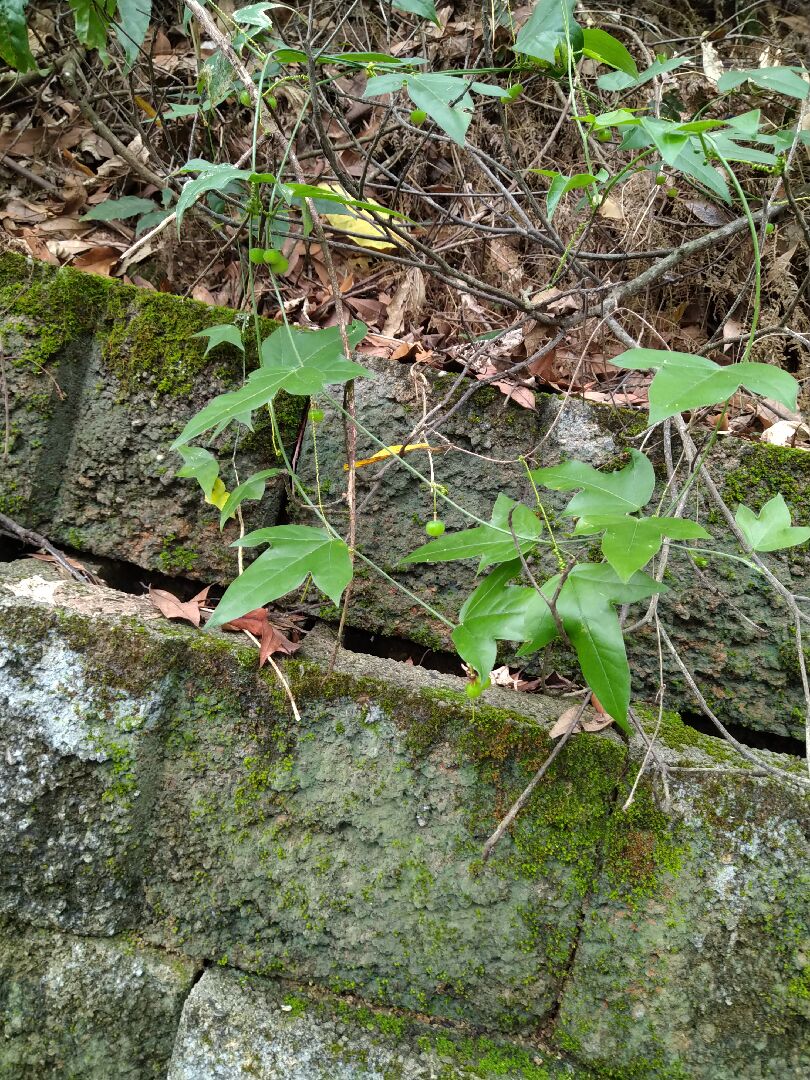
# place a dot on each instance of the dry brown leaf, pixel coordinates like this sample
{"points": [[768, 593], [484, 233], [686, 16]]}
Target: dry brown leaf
{"points": [[786, 433], [99, 260], [592, 719], [173, 608], [521, 395], [407, 303], [39, 248], [257, 623]]}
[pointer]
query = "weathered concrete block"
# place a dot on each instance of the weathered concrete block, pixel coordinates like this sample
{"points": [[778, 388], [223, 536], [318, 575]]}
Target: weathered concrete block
{"points": [[236, 1026], [73, 770], [85, 1007], [101, 377], [703, 969], [733, 633], [346, 850]]}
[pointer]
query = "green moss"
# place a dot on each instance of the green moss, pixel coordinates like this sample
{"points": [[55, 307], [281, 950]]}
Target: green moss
{"points": [[175, 558], [147, 338], [765, 471]]}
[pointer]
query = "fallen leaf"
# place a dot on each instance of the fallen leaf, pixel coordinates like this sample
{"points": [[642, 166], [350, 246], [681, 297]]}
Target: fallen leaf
{"points": [[257, 623], [98, 260], [407, 302], [174, 608], [786, 433], [591, 720]]}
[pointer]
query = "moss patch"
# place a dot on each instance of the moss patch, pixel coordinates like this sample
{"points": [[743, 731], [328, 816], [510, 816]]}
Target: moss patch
{"points": [[147, 338]]}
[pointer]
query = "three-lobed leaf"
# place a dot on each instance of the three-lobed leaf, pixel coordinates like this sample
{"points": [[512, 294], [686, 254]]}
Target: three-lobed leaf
{"points": [[620, 492], [492, 543], [771, 529], [629, 542], [496, 611], [296, 552], [302, 362], [223, 333], [684, 381]]}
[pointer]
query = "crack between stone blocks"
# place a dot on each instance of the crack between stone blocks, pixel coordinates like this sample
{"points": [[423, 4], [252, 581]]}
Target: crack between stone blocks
{"points": [[551, 1020]]}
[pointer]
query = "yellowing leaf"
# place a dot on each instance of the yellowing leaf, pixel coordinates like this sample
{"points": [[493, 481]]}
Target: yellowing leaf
{"points": [[219, 494], [366, 232], [391, 451], [150, 110]]}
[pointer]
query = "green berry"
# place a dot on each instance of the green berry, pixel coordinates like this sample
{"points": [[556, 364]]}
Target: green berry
{"points": [[418, 117], [435, 528], [244, 99], [271, 100], [515, 91], [316, 415], [256, 256], [672, 192], [769, 228], [276, 261], [603, 136], [660, 179]]}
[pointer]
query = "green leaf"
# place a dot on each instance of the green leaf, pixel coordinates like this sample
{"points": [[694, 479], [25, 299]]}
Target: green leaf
{"points": [[297, 552], [621, 492], [771, 530], [561, 184], [550, 25], [301, 362], [621, 80], [119, 209], [446, 99], [201, 465], [586, 609], [92, 19], [605, 48], [252, 488], [685, 381], [497, 611], [692, 163], [14, 36], [784, 80], [215, 178], [260, 389], [255, 15], [491, 543], [310, 360], [425, 8], [225, 332], [629, 543], [131, 27]]}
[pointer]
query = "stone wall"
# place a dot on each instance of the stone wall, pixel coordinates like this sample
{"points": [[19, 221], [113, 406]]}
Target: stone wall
{"points": [[193, 885], [101, 377]]}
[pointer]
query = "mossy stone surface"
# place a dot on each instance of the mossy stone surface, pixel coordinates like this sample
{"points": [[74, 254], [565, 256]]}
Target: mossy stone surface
{"points": [[89, 1008], [240, 1026], [696, 969], [732, 631], [344, 851], [101, 378]]}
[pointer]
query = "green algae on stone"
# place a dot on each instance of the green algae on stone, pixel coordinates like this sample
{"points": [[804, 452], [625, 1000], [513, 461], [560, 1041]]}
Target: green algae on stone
{"points": [[87, 1007]]}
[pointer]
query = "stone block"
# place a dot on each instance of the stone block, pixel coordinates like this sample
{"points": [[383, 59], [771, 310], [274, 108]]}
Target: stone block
{"points": [[101, 377], [89, 1008], [731, 629], [236, 1026], [703, 968], [73, 768]]}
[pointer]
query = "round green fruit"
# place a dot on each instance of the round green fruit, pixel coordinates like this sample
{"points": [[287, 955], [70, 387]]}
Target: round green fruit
{"points": [[257, 256], [316, 415], [769, 228], [660, 179], [244, 99], [418, 117], [275, 260], [435, 528]]}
